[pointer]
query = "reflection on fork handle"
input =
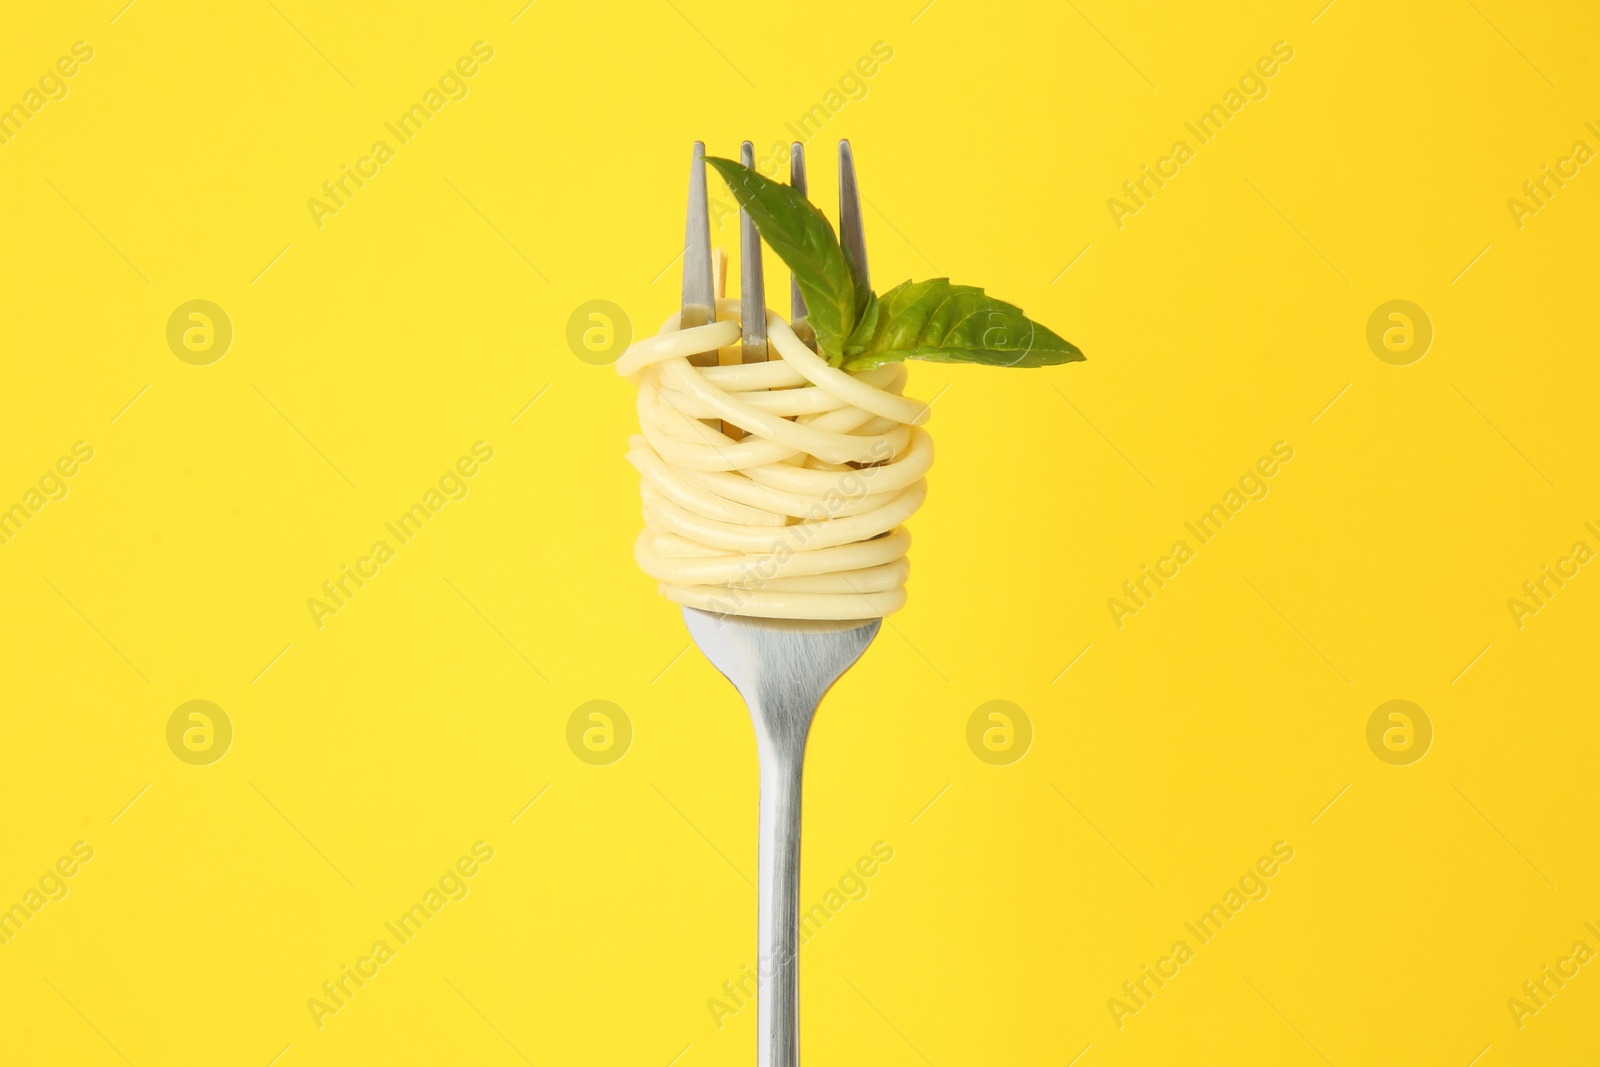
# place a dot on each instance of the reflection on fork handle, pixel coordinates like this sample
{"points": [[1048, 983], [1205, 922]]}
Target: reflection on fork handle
{"points": [[778, 912]]}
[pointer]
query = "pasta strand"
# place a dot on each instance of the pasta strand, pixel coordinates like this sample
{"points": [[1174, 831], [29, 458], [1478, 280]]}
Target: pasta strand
{"points": [[802, 517]]}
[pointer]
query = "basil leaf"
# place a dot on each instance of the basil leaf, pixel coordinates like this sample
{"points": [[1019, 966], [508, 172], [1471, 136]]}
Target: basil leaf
{"points": [[871, 313], [804, 240], [858, 330], [935, 320]]}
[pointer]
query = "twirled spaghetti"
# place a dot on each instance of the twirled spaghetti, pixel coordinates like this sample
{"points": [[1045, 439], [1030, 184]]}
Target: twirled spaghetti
{"points": [[800, 518]]}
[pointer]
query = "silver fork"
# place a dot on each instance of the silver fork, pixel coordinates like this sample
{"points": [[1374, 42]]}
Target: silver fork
{"points": [[752, 287], [699, 293], [797, 178], [782, 668]]}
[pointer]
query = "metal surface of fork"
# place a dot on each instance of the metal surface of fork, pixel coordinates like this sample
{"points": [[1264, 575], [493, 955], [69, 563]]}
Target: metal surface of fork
{"points": [[782, 668], [797, 178], [752, 286], [699, 293], [851, 236]]}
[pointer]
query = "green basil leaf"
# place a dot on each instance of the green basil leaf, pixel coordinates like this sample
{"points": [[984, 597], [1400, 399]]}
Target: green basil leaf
{"points": [[935, 320], [870, 314], [803, 239]]}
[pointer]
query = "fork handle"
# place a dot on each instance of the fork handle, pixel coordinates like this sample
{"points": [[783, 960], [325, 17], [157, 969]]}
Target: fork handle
{"points": [[778, 913], [782, 669]]}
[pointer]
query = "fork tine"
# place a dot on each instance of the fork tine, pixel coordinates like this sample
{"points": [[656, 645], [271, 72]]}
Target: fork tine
{"points": [[797, 179], [699, 296], [752, 286], [850, 233]]}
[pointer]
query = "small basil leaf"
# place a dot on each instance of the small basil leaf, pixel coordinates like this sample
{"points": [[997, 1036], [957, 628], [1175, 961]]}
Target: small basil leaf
{"points": [[853, 345], [935, 320], [804, 240]]}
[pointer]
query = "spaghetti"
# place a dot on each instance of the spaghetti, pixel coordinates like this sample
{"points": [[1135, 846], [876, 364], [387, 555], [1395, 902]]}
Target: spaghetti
{"points": [[800, 515]]}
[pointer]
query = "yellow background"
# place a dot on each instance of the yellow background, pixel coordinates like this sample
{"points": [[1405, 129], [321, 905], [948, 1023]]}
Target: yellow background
{"points": [[1225, 716]]}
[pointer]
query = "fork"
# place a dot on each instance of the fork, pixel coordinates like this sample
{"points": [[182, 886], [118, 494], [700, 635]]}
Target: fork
{"points": [[781, 667]]}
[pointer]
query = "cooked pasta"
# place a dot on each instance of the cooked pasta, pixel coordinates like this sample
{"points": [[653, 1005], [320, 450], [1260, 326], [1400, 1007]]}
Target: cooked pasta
{"points": [[801, 516]]}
